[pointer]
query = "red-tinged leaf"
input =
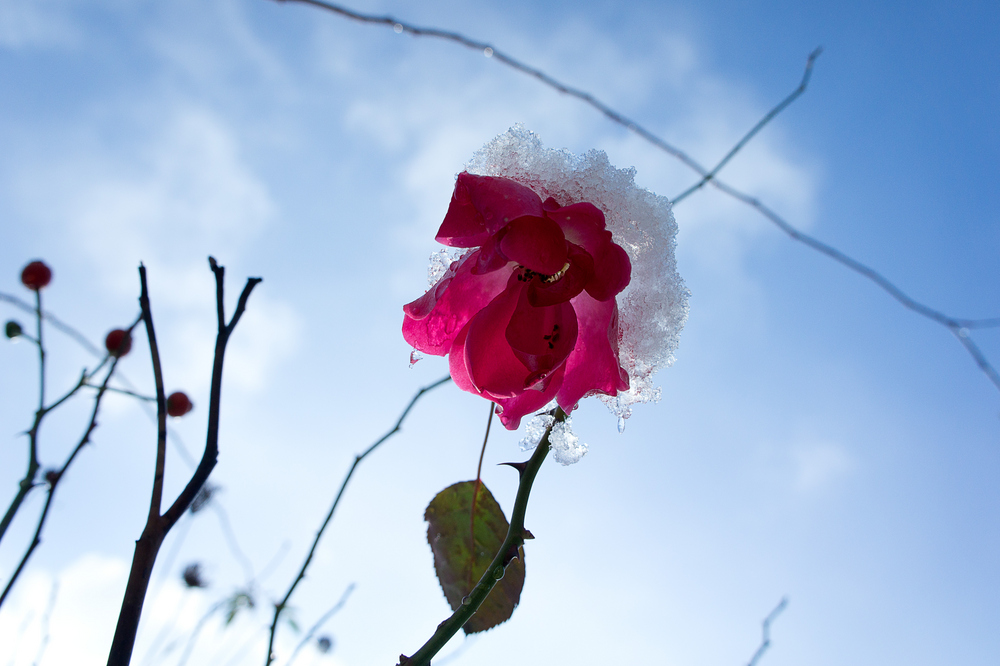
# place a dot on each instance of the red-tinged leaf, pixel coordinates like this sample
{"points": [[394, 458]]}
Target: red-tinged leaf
{"points": [[466, 528]]}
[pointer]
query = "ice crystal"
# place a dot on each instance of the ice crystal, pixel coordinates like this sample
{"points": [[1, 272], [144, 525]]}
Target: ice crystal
{"points": [[440, 263], [534, 431], [566, 447]]}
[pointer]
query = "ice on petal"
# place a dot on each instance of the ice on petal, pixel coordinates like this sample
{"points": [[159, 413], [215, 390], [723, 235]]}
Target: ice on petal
{"points": [[440, 262], [653, 308], [566, 447]]}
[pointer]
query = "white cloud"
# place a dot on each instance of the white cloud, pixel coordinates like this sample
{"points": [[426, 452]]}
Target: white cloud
{"points": [[187, 189], [268, 333], [82, 620]]}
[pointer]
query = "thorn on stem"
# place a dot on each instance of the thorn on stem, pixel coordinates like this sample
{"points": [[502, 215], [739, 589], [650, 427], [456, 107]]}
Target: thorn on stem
{"points": [[513, 553], [519, 466]]}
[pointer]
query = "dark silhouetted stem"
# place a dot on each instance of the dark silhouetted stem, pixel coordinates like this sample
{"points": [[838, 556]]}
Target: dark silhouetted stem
{"points": [[57, 475], [28, 482], [157, 525]]}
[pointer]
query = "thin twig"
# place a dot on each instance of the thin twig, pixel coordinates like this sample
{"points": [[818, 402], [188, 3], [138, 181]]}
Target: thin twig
{"points": [[46, 618], [197, 630], [320, 622], [765, 641], [234, 546], [133, 394], [507, 552], [54, 478], [956, 326], [28, 482], [56, 323], [795, 94], [475, 488], [157, 525], [280, 606], [707, 176]]}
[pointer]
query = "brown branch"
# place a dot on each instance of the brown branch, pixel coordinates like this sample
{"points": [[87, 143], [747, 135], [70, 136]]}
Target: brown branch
{"points": [[157, 525]]}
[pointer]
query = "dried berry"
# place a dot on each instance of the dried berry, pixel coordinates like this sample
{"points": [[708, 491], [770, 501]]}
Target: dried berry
{"points": [[36, 275], [178, 404], [118, 343], [192, 576]]}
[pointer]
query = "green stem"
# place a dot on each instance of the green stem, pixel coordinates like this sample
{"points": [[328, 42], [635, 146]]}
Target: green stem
{"points": [[515, 538]]}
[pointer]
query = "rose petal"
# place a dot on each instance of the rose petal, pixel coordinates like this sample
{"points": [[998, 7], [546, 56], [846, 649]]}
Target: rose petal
{"points": [[492, 365], [491, 257], [536, 243], [593, 367], [432, 322], [456, 363], [584, 216], [512, 410], [481, 206], [541, 337], [583, 224], [612, 272], [550, 204]]}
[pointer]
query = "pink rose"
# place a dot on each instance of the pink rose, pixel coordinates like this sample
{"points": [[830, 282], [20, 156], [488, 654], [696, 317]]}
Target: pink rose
{"points": [[529, 315]]}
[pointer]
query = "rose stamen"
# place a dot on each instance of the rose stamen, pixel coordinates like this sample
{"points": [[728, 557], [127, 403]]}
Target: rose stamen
{"points": [[555, 277]]}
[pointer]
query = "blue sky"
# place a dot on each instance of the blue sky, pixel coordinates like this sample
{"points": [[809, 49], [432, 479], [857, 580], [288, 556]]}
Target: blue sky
{"points": [[814, 439]]}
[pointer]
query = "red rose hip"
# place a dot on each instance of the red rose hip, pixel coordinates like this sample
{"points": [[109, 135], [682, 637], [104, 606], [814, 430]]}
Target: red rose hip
{"points": [[178, 404], [36, 275], [118, 343]]}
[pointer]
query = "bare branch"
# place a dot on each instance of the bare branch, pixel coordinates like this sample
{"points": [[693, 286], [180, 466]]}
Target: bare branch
{"points": [[756, 128], [157, 526], [56, 323], [707, 176], [765, 641], [320, 622], [280, 606]]}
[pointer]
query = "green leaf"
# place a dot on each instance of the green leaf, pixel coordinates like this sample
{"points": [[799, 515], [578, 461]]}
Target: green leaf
{"points": [[466, 528]]}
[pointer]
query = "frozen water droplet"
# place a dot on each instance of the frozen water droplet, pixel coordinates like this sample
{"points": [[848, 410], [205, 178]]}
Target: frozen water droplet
{"points": [[398, 28], [466, 601], [488, 52], [498, 573], [414, 357], [621, 424]]}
